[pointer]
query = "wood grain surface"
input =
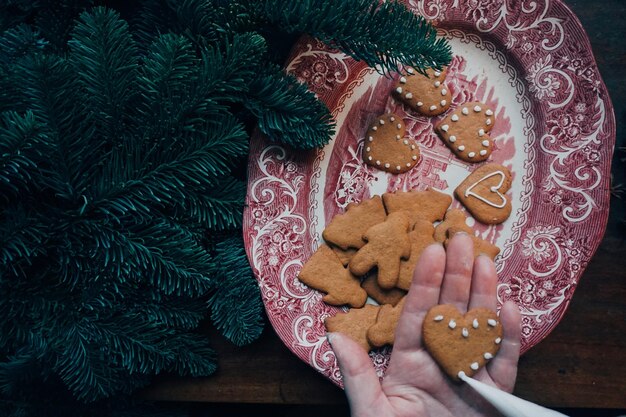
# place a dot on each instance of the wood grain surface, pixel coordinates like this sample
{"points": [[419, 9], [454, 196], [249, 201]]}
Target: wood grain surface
{"points": [[580, 364]]}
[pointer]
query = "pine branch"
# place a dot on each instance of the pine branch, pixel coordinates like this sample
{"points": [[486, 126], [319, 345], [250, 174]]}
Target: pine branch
{"points": [[104, 56], [236, 308], [383, 34], [288, 112]]}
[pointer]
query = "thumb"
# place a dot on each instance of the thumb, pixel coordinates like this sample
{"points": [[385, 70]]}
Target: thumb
{"points": [[359, 376]]}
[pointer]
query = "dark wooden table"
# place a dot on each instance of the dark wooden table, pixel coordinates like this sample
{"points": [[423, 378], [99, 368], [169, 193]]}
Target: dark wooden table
{"points": [[581, 364]]}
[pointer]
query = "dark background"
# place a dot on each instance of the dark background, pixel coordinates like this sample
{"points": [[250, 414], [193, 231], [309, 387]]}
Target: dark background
{"points": [[605, 23]]}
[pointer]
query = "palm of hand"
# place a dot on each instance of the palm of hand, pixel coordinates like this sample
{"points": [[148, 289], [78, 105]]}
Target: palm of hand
{"points": [[414, 385]]}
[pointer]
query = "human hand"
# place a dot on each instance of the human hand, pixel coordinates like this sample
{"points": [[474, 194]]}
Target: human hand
{"points": [[414, 385]]}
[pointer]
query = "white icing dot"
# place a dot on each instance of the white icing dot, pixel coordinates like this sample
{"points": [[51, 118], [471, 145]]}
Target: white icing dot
{"points": [[412, 146], [406, 142], [420, 104], [492, 322], [399, 126], [375, 128], [474, 366], [410, 70], [488, 122], [465, 332], [377, 162], [465, 111], [369, 158], [488, 356], [461, 374], [371, 139], [381, 121], [444, 92], [489, 112], [414, 157], [437, 84], [403, 80], [475, 323], [498, 340], [481, 132], [392, 119], [471, 154], [452, 324], [437, 73], [461, 148], [368, 149], [477, 109], [433, 107], [452, 139], [398, 167], [398, 137], [408, 164], [483, 152], [485, 143], [445, 128], [408, 95], [454, 118], [399, 90], [387, 165], [443, 103]]}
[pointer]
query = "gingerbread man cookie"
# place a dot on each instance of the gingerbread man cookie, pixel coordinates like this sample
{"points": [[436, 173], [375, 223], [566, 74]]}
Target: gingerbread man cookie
{"points": [[387, 148], [383, 331], [325, 272], [346, 230], [461, 343], [481, 246], [354, 323], [425, 94], [387, 244], [483, 193], [466, 131], [454, 218]]}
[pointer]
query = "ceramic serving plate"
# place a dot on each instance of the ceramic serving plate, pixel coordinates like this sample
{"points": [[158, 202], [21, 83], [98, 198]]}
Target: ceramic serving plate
{"points": [[531, 62]]}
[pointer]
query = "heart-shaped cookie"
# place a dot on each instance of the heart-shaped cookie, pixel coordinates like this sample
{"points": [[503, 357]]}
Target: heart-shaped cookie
{"points": [[425, 94], [466, 131], [483, 193], [386, 147], [461, 343]]}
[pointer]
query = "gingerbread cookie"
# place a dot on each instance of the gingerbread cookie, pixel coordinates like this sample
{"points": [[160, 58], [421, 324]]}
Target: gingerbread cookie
{"points": [[466, 131], [428, 205], [381, 295], [425, 94], [461, 343], [454, 218], [325, 272], [354, 323], [383, 332], [387, 148], [421, 236], [346, 230], [483, 193], [481, 246], [387, 243]]}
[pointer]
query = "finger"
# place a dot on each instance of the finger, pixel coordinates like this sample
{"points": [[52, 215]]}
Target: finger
{"points": [[423, 294], [503, 368], [359, 376], [484, 282], [459, 263]]}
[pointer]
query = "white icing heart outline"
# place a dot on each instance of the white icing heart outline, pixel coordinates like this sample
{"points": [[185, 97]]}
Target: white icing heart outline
{"points": [[493, 189]]}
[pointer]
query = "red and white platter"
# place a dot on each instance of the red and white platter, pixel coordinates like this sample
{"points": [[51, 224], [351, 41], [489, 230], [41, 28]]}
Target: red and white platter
{"points": [[531, 62]]}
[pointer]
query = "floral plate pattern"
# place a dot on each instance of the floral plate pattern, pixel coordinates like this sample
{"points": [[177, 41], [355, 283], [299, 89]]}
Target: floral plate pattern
{"points": [[531, 62]]}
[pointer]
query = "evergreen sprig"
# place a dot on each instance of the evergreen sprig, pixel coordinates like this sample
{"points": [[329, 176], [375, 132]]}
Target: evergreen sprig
{"points": [[121, 196]]}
